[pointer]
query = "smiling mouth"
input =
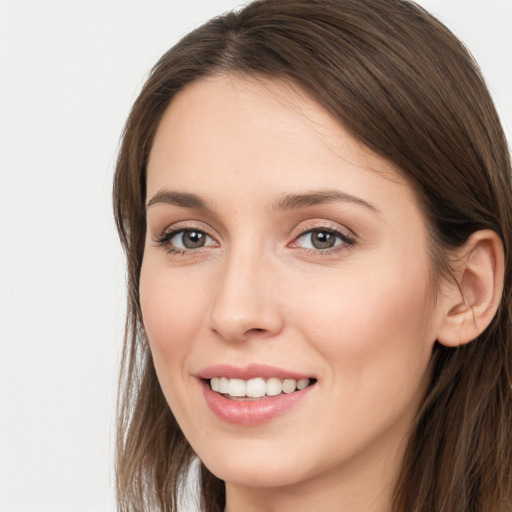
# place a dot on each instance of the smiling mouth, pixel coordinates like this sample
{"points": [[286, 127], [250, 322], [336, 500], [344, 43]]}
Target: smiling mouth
{"points": [[257, 388]]}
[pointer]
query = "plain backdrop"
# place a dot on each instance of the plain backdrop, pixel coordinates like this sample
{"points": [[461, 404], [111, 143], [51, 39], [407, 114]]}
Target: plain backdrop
{"points": [[69, 72]]}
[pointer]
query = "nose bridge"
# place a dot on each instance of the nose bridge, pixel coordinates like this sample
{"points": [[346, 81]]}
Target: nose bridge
{"points": [[243, 302]]}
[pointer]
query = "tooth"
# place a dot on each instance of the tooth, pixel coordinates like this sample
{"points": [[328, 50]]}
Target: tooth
{"points": [[256, 388], [214, 384], [236, 387], [302, 383], [224, 385], [274, 386], [289, 385]]}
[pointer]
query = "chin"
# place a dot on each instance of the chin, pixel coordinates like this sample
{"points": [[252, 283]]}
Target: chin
{"points": [[247, 473], [260, 462]]}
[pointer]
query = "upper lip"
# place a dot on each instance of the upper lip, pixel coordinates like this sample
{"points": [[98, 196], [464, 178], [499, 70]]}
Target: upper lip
{"points": [[250, 371]]}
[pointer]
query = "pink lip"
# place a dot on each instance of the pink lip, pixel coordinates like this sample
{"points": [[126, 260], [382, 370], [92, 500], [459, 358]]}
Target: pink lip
{"points": [[248, 372], [249, 412]]}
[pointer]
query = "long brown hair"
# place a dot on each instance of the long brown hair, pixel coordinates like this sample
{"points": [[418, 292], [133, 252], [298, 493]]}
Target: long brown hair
{"points": [[402, 84]]}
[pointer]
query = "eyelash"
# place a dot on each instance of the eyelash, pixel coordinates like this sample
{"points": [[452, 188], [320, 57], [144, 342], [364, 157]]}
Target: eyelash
{"points": [[346, 240], [164, 240]]}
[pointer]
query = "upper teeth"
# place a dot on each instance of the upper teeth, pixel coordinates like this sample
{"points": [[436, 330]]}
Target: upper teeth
{"points": [[256, 388]]}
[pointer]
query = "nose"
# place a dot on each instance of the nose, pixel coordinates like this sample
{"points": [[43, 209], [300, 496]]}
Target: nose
{"points": [[245, 299]]}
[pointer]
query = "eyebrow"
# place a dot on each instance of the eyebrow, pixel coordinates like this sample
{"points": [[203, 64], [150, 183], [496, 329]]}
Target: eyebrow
{"points": [[285, 202], [303, 200], [183, 199]]}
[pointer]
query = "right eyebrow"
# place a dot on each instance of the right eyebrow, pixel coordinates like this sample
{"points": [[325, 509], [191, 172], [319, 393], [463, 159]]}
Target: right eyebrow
{"points": [[182, 199]]}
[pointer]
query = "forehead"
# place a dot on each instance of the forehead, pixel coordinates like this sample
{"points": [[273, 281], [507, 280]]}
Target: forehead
{"points": [[230, 133]]}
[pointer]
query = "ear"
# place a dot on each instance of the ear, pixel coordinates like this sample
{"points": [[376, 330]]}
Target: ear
{"points": [[472, 299]]}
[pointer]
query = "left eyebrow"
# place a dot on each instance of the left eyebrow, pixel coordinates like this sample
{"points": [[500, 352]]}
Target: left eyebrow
{"points": [[305, 199]]}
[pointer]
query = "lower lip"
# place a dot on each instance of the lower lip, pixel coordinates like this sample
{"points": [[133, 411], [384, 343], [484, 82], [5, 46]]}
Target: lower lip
{"points": [[251, 412]]}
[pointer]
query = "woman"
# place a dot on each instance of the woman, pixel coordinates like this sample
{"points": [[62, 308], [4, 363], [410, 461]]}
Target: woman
{"points": [[315, 201]]}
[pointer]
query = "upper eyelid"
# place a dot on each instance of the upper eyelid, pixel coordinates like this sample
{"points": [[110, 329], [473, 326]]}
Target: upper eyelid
{"points": [[187, 225], [318, 225], [344, 237], [307, 230], [168, 234], [300, 229]]}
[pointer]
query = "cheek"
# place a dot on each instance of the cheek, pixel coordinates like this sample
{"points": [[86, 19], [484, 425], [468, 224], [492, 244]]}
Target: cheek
{"points": [[377, 345], [375, 331], [171, 311]]}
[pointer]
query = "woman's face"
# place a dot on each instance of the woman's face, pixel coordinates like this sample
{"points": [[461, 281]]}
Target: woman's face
{"points": [[281, 253]]}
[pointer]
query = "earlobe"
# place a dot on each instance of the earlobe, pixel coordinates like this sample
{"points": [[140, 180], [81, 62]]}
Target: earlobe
{"points": [[470, 302]]}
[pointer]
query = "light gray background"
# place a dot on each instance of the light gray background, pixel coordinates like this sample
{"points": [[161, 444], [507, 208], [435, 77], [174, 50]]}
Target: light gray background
{"points": [[69, 72]]}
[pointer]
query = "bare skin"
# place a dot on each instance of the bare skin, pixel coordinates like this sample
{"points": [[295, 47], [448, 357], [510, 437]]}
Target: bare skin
{"points": [[276, 238]]}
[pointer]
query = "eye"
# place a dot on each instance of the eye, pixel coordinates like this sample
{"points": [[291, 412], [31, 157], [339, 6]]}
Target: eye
{"points": [[186, 240], [322, 239]]}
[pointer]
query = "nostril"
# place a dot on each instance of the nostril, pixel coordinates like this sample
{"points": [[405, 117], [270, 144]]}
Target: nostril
{"points": [[241, 321]]}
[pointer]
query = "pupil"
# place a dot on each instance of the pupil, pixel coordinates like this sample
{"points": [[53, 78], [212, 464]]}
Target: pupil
{"points": [[322, 240], [193, 239]]}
